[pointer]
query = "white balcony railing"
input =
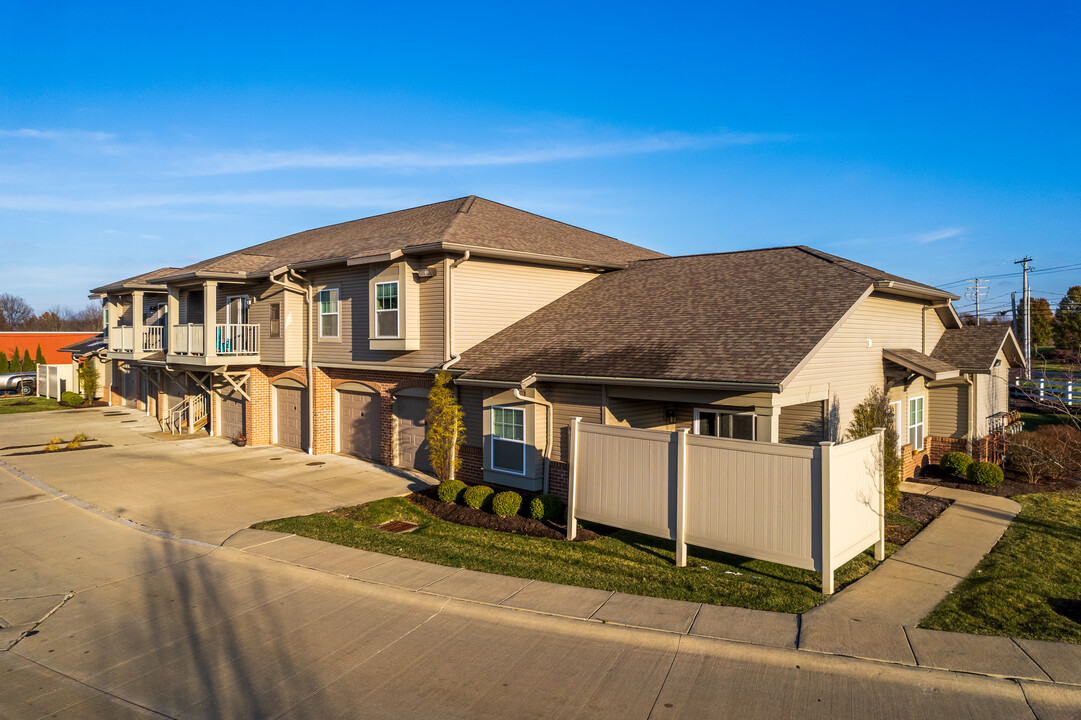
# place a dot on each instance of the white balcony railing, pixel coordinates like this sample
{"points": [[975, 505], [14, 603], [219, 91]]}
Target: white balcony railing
{"points": [[122, 339], [233, 339], [153, 338], [238, 339], [186, 340]]}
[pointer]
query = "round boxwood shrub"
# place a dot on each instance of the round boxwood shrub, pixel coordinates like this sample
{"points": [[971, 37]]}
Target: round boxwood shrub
{"points": [[71, 398], [450, 491], [955, 463], [478, 496], [985, 473], [507, 503], [545, 507]]}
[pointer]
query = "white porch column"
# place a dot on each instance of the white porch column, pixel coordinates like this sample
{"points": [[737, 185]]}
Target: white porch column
{"points": [[768, 421], [172, 316], [210, 318], [137, 321]]}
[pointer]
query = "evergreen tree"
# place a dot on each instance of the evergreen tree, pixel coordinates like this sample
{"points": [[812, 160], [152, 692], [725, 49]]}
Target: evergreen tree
{"points": [[446, 428], [4, 365], [16, 363], [28, 364], [875, 411], [39, 357], [89, 377], [1068, 320]]}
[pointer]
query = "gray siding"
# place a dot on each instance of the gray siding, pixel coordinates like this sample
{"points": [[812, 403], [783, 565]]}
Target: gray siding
{"points": [[802, 424], [569, 401], [472, 400]]}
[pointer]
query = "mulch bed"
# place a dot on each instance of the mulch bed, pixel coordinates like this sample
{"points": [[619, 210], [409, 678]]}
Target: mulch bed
{"points": [[59, 450], [517, 524], [95, 404], [919, 508], [1014, 484]]}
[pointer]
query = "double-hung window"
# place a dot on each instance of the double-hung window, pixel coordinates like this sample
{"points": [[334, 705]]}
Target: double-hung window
{"points": [[275, 320], [386, 310], [915, 422], [725, 424], [508, 440], [328, 313]]}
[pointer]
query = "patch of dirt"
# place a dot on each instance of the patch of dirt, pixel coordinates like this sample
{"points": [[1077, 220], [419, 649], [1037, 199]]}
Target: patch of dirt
{"points": [[1069, 608], [1014, 484], [517, 524], [21, 403], [918, 508], [59, 450], [37, 445], [95, 404]]}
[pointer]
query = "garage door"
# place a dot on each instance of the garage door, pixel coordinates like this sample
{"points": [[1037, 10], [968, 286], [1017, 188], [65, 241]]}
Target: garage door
{"points": [[412, 445], [232, 414], [292, 409], [358, 424]]}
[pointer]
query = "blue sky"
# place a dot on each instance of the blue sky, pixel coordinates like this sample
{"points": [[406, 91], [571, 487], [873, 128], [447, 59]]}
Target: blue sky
{"points": [[935, 143]]}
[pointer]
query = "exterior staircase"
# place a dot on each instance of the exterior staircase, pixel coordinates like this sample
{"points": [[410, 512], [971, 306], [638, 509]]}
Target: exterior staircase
{"points": [[188, 415]]}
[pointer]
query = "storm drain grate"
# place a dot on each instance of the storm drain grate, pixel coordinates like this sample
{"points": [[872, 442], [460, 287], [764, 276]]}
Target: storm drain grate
{"points": [[398, 526]]}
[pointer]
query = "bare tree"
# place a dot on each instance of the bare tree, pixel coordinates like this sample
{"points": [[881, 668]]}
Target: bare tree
{"points": [[15, 313]]}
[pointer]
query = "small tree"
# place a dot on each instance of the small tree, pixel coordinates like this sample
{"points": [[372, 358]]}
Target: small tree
{"points": [[4, 365], [28, 364], [39, 357], [446, 428], [88, 378], [1068, 320], [1043, 322], [875, 411], [16, 363]]}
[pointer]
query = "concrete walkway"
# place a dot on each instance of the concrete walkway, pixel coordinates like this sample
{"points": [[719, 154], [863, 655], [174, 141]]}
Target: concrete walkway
{"points": [[872, 620]]}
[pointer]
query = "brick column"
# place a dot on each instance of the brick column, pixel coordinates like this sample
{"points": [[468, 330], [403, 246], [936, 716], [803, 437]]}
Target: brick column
{"points": [[323, 433], [258, 410]]}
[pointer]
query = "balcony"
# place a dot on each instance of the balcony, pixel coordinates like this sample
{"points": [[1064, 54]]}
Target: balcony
{"points": [[122, 339], [188, 344]]}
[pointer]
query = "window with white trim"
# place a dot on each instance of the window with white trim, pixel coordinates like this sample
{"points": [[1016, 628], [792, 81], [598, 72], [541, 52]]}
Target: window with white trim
{"points": [[508, 440], [725, 424], [915, 422], [386, 310], [898, 420], [328, 313]]}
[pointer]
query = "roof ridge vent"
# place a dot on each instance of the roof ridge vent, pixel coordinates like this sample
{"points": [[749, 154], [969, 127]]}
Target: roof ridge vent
{"points": [[468, 203]]}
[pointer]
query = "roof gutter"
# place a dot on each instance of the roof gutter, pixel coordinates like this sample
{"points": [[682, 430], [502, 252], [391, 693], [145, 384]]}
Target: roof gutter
{"points": [[520, 256], [654, 382], [916, 291]]}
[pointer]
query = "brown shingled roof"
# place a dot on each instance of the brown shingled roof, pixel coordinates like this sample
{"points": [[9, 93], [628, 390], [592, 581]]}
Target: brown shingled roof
{"points": [[975, 348], [143, 279], [746, 317], [471, 221]]}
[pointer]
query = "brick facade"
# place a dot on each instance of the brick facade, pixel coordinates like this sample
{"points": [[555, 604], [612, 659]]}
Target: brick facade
{"points": [[472, 470], [989, 448], [558, 478]]}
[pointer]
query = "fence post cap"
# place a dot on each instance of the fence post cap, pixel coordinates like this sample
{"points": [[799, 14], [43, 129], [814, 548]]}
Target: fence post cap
{"points": [[826, 443], [880, 429]]}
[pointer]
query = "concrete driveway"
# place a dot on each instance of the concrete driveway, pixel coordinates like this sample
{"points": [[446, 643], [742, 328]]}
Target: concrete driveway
{"points": [[201, 488]]}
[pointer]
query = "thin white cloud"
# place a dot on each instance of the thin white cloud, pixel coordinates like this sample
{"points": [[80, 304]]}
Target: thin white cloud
{"points": [[34, 134], [940, 234], [261, 161], [335, 198]]}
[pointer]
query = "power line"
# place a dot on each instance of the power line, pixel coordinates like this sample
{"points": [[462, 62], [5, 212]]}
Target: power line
{"points": [[975, 290]]}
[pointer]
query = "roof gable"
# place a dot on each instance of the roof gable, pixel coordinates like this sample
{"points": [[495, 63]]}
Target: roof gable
{"points": [[975, 348]]}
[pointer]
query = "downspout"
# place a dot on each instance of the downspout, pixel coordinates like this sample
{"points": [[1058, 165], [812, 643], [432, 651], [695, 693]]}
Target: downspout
{"points": [[448, 315], [306, 290], [548, 434], [970, 382]]}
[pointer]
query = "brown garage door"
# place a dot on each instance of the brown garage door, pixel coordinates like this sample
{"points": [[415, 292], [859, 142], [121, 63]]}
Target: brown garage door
{"points": [[292, 409], [412, 445], [358, 424], [232, 414]]}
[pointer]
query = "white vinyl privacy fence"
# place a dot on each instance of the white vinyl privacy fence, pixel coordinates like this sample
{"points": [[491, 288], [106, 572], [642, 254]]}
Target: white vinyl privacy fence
{"points": [[54, 380], [809, 507]]}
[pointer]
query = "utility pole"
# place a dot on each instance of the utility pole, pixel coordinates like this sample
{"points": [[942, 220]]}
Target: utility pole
{"points": [[1013, 309], [977, 292], [1027, 309]]}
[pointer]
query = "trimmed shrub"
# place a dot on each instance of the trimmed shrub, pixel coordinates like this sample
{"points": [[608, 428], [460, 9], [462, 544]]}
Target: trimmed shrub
{"points": [[546, 507], [450, 491], [80, 437], [73, 445], [71, 398], [478, 496], [985, 473], [507, 503], [56, 440], [955, 463]]}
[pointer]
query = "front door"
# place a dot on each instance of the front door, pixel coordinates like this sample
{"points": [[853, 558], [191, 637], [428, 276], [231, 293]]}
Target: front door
{"points": [[412, 443]]}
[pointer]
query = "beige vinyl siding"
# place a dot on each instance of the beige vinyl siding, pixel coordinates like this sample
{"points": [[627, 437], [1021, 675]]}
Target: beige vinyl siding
{"points": [[569, 401], [472, 400], [490, 295], [271, 350], [849, 366], [992, 395], [647, 414], [949, 416], [802, 424], [294, 309], [352, 344]]}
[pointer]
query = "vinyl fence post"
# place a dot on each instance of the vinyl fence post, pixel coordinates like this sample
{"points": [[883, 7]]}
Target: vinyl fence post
{"points": [[681, 497], [825, 449], [880, 545], [572, 479]]}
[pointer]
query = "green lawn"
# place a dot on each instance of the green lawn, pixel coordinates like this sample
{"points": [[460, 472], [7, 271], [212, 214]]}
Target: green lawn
{"points": [[1033, 420], [626, 561], [1026, 583], [8, 406]]}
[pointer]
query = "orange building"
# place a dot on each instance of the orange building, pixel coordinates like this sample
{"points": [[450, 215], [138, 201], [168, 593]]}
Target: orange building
{"points": [[50, 342]]}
